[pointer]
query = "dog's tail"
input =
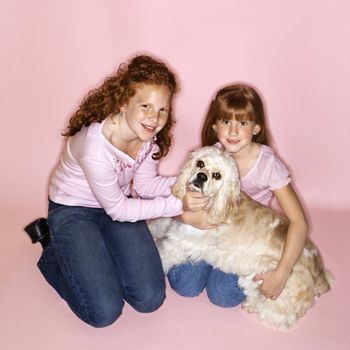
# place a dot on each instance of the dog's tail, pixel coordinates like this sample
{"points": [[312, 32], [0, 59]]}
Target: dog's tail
{"points": [[324, 282], [323, 279]]}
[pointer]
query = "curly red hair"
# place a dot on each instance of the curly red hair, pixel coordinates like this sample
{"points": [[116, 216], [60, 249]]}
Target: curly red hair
{"points": [[116, 91]]}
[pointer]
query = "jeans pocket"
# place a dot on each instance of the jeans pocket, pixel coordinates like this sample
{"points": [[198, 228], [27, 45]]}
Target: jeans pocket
{"points": [[61, 214]]}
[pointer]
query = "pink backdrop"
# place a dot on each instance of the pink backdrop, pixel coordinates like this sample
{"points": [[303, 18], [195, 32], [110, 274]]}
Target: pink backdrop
{"points": [[52, 52]]}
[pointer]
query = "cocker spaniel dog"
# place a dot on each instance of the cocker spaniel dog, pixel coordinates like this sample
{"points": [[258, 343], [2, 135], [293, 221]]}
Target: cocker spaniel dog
{"points": [[248, 240]]}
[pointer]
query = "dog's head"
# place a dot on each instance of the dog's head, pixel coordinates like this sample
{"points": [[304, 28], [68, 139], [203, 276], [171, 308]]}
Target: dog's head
{"points": [[213, 173]]}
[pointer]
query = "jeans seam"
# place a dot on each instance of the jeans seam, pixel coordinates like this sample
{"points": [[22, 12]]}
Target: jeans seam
{"points": [[119, 269], [122, 275], [68, 274], [67, 271]]}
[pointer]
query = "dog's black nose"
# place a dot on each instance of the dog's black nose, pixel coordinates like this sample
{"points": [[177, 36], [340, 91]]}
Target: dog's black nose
{"points": [[201, 177], [199, 180]]}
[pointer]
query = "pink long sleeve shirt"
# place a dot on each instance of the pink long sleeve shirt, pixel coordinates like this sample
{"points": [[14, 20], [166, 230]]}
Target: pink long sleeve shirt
{"points": [[93, 173]]}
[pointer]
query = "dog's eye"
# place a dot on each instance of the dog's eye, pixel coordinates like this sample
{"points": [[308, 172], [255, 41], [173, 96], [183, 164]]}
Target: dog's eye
{"points": [[200, 164], [217, 176]]}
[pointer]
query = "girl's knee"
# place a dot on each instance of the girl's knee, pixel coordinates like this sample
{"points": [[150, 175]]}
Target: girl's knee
{"points": [[149, 300], [223, 289], [103, 314], [185, 288], [189, 280], [231, 299]]}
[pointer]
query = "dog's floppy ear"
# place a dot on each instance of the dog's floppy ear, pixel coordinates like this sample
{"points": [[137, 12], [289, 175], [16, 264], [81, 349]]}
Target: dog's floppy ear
{"points": [[233, 200], [225, 203], [227, 200], [179, 189]]}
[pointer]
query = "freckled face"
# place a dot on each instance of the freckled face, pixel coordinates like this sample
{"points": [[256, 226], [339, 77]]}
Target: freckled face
{"points": [[235, 135], [147, 112]]}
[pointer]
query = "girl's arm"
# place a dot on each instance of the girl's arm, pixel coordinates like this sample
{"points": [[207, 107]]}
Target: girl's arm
{"points": [[274, 281], [104, 185], [147, 182]]}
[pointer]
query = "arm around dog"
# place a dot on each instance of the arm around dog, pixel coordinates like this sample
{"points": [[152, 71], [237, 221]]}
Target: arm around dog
{"points": [[274, 281]]}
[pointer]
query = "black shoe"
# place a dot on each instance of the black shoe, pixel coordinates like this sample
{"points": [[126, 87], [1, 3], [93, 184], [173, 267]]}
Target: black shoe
{"points": [[38, 231]]}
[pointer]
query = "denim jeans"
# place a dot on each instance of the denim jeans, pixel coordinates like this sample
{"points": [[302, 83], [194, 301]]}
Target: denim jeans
{"points": [[95, 263], [190, 279]]}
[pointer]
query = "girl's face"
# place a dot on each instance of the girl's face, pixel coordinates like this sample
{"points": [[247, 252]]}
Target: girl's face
{"points": [[235, 135], [147, 112]]}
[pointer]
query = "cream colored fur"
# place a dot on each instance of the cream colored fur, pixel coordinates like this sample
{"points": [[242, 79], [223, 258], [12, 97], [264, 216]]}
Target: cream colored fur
{"points": [[248, 240]]}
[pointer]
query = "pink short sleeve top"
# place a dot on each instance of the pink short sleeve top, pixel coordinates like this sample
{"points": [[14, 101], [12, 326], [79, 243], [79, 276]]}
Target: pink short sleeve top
{"points": [[267, 174]]}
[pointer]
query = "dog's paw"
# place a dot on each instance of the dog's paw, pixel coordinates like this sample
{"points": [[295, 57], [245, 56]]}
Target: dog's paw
{"points": [[246, 306]]}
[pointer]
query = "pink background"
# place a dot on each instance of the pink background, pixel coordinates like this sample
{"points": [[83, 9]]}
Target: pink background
{"points": [[296, 52]]}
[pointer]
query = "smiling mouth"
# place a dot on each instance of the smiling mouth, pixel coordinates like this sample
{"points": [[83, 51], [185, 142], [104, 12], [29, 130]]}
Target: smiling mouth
{"points": [[149, 129], [233, 142]]}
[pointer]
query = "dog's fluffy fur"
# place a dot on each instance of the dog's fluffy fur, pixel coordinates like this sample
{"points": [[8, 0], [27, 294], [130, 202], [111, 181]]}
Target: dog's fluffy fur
{"points": [[249, 240]]}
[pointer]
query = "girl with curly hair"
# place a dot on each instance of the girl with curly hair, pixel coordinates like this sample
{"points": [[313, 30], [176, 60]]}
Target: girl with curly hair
{"points": [[98, 250]]}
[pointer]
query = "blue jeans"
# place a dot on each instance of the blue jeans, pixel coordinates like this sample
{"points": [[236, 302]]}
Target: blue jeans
{"points": [[95, 263], [190, 279]]}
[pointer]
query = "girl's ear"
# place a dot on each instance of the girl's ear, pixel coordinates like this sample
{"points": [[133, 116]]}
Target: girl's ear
{"points": [[256, 129], [214, 127]]}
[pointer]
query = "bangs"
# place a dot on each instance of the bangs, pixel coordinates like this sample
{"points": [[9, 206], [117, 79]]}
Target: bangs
{"points": [[236, 107]]}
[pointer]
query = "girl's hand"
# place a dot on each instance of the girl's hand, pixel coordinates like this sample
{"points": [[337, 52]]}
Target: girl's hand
{"points": [[194, 201], [198, 219], [273, 283]]}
